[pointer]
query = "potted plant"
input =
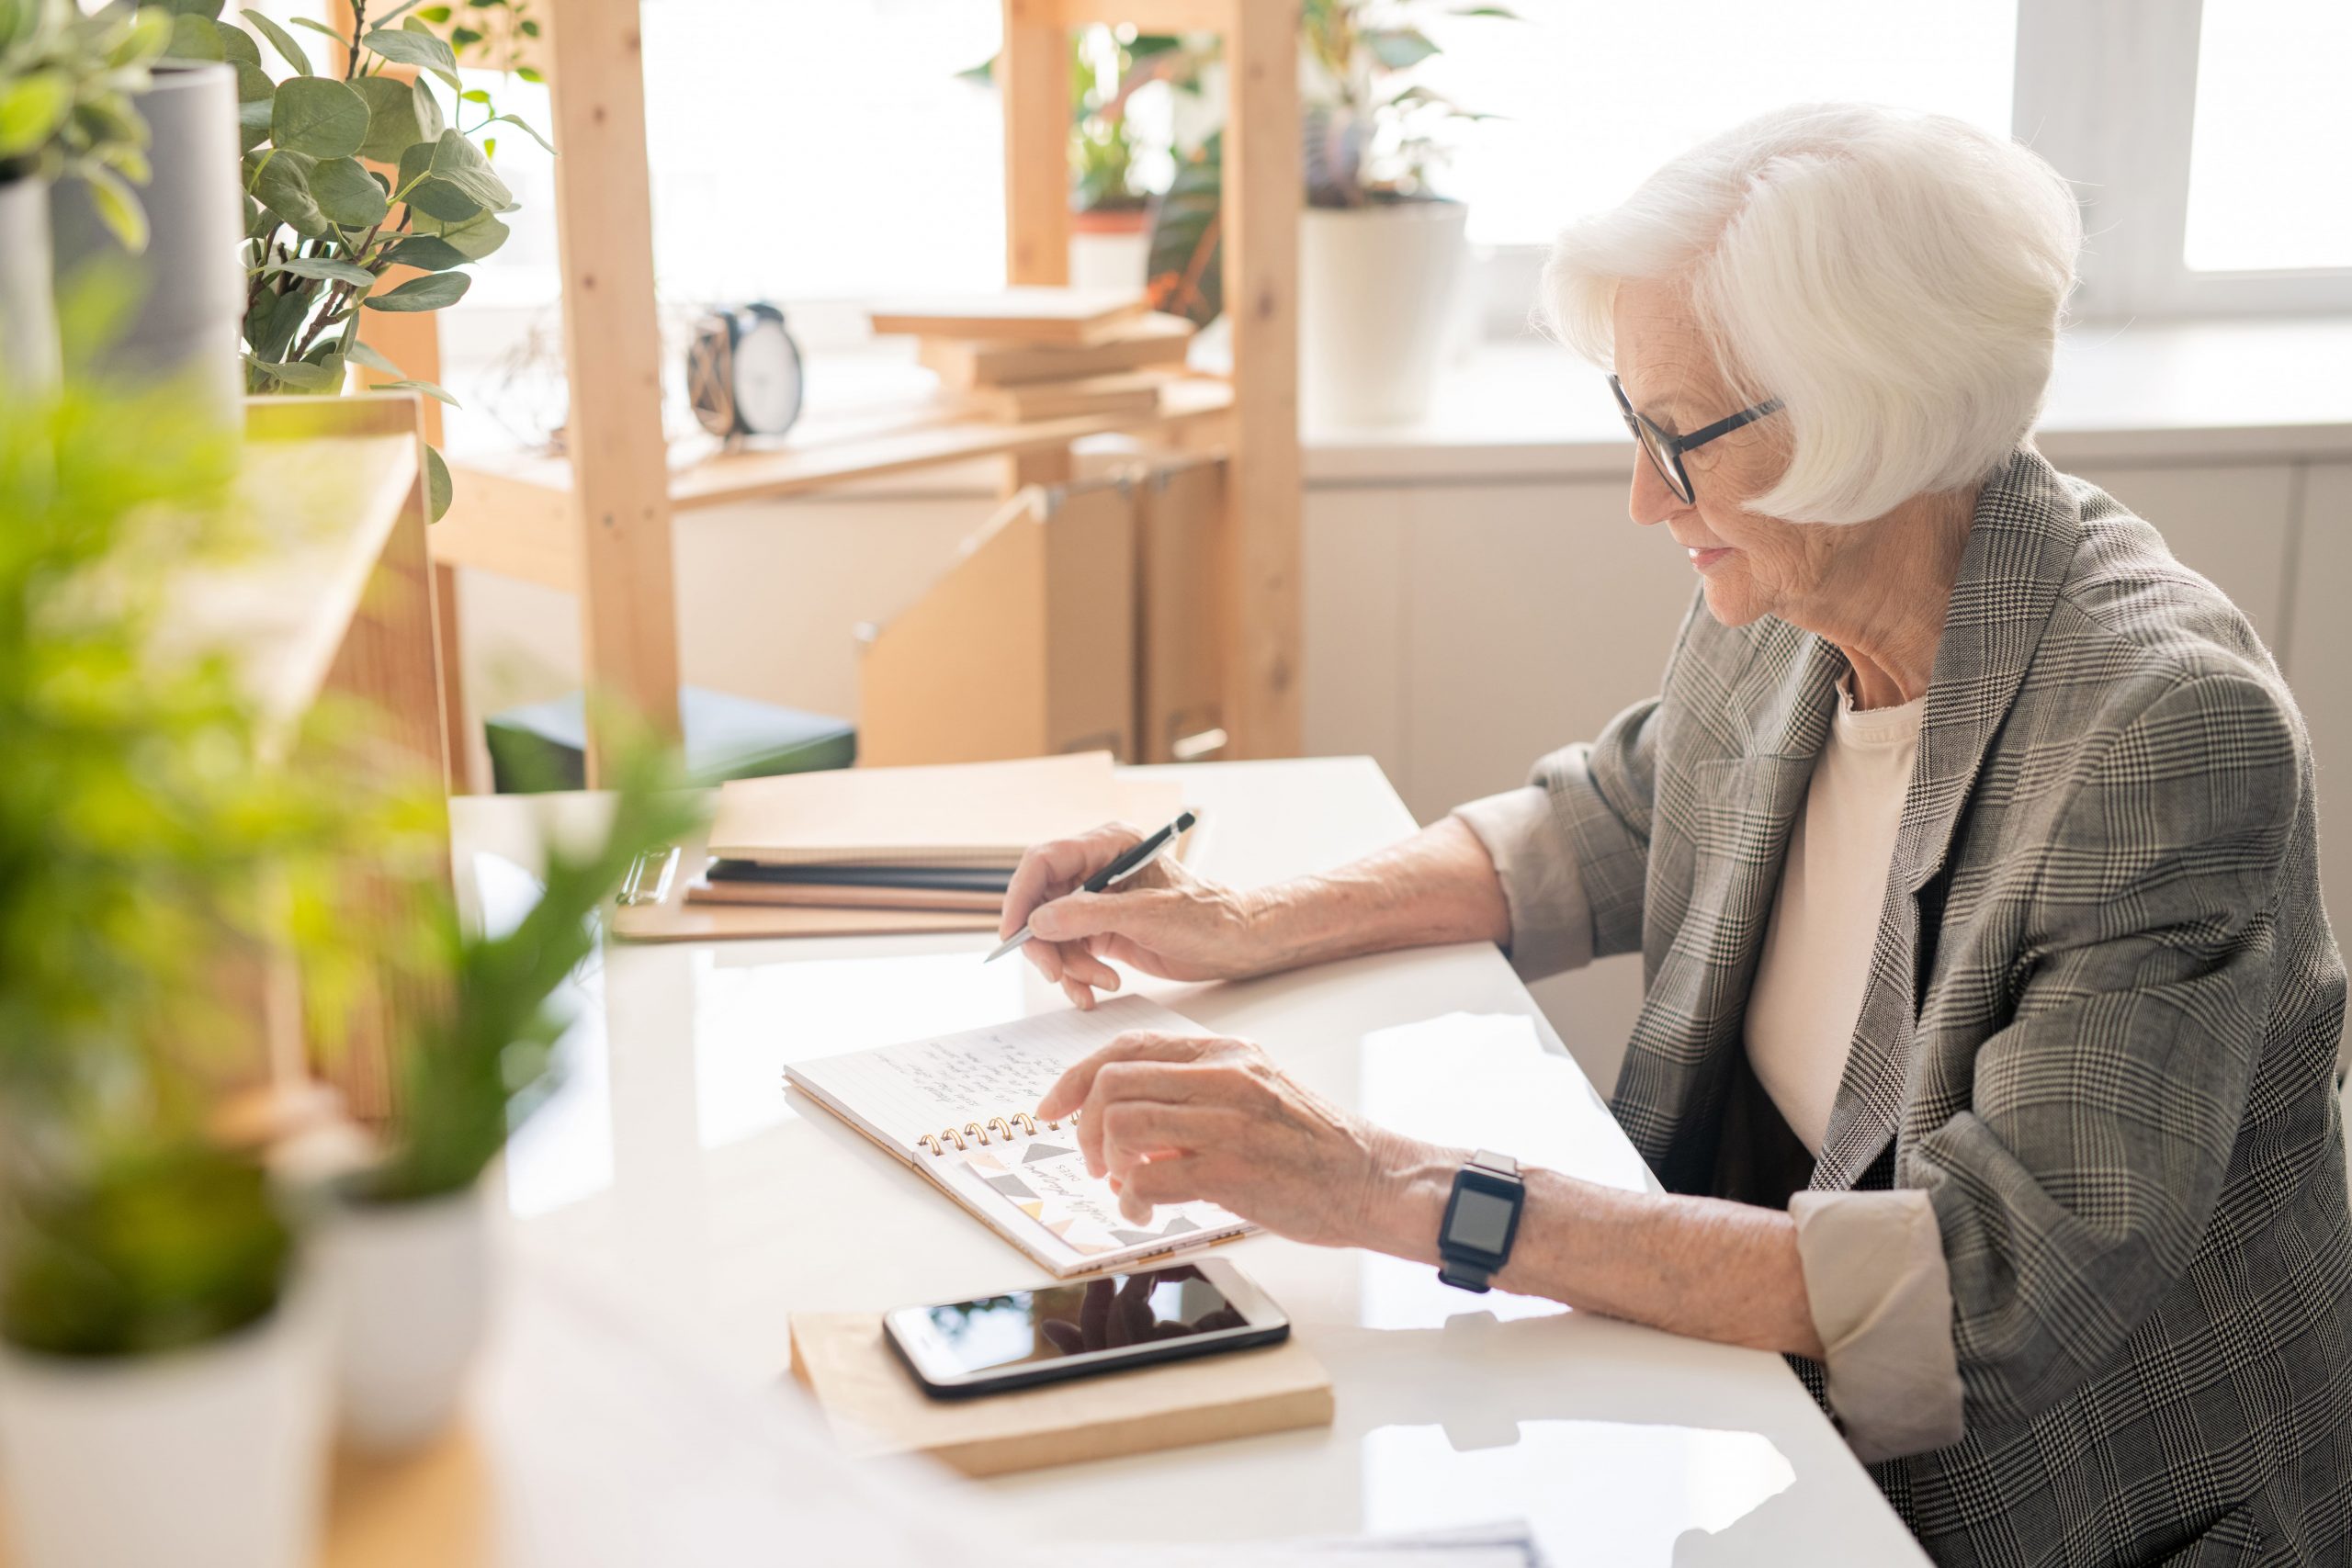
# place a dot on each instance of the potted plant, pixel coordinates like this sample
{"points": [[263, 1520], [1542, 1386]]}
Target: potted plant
{"points": [[355, 179], [1380, 252], [1110, 209], [67, 111], [406, 1255], [162, 1368]]}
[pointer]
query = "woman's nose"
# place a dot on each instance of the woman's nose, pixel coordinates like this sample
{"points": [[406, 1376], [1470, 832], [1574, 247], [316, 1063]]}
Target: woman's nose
{"points": [[1652, 500]]}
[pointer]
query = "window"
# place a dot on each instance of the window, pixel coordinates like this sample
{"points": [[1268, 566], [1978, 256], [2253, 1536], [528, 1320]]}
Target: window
{"points": [[1593, 98], [2272, 143]]}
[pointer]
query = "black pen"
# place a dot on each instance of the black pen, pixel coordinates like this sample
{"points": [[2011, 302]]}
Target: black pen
{"points": [[1119, 870]]}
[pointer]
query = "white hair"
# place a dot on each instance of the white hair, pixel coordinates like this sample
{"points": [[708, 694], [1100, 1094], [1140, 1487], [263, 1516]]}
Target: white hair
{"points": [[1897, 279]]}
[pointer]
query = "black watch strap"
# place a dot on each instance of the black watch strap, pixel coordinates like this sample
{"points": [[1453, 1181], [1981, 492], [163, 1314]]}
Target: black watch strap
{"points": [[1488, 1177]]}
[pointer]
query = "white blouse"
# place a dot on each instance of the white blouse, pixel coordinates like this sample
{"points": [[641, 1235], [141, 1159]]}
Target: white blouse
{"points": [[1816, 956]]}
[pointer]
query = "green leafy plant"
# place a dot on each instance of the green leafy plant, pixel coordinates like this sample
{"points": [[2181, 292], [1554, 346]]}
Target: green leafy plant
{"points": [[1372, 134], [1369, 135], [1107, 67], [68, 100], [485, 1059], [349, 177], [144, 848]]}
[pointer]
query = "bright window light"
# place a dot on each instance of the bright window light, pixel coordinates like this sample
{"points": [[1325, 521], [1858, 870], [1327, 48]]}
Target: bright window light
{"points": [[2273, 138], [1596, 96]]}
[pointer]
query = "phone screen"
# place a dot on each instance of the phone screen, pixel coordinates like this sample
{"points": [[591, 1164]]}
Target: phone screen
{"points": [[1025, 1326]]}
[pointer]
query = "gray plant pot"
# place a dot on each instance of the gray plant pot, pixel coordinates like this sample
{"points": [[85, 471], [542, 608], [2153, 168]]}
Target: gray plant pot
{"points": [[27, 305], [191, 277]]}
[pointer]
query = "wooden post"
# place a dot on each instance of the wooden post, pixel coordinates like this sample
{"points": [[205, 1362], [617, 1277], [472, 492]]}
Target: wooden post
{"points": [[1260, 215], [613, 352], [1033, 81]]}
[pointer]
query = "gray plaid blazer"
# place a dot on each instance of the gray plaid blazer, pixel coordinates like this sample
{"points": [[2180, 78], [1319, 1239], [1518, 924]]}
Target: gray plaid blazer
{"points": [[2099, 1030]]}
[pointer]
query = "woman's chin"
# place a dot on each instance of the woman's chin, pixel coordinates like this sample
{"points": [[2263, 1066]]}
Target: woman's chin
{"points": [[1729, 598]]}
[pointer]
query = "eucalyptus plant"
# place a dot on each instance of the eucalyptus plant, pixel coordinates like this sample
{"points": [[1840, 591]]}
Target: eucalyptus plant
{"points": [[68, 100], [349, 174]]}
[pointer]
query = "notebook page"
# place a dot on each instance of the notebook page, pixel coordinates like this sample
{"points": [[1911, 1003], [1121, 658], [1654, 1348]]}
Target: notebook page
{"points": [[924, 1086], [1035, 1188]]}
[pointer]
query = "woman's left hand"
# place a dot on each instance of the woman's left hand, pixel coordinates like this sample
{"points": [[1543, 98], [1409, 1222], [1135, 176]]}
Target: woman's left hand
{"points": [[1171, 1117]]}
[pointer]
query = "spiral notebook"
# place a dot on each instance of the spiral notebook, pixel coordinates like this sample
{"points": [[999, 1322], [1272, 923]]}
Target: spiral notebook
{"points": [[957, 1108]]}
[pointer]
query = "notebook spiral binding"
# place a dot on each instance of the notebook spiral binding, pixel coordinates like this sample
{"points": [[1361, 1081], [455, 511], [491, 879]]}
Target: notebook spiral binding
{"points": [[980, 1130]]}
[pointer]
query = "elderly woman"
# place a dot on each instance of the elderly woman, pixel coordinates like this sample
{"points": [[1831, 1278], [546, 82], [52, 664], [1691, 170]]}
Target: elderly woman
{"points": [[1987, 1051]]}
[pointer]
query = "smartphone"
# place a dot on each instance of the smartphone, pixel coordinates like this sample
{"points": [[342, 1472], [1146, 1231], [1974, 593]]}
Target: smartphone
{"points": [[1075, 1330]]}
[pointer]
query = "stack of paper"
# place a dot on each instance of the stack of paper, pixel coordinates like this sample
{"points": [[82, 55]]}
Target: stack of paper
{"points": [[879, 850], [1041, 353]]}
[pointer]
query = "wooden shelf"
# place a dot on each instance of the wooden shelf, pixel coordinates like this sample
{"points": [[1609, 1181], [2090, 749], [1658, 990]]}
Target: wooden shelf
{"points": [[514, 516], [320, 501]]}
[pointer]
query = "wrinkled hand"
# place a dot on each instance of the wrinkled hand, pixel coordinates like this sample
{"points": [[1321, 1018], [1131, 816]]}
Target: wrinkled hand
{"points": [[1171, 1117], [1111, 1315], [1163, 920]]}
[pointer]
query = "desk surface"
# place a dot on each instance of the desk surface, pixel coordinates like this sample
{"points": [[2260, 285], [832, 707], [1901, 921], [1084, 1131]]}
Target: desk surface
{"points": [[673, 1171]]}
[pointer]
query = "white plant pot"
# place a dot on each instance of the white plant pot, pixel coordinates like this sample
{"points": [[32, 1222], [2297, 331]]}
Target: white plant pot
{"points": [[1376, 289], [1108, 252], [28, 308], [207, 1458], [410, 1284]]}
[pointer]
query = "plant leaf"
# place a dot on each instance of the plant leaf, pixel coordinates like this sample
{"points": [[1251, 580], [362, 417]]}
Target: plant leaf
{"points": [[254, 86], [431, 292], [421, 50], [118, 208], [437, 488], [347, 193], [317, 26], [252, 120], [238, 48], [31, 110], [282, 41], [207, 9], [429, 252], [520, 124], [427, 387], [392, 127], [457, 161], [283, 184], [368, 353], [474, 237], [195, 37], [298, 373], [1398, 49], [322, 117], [1184, 270], [434, 198], [325, 268]]}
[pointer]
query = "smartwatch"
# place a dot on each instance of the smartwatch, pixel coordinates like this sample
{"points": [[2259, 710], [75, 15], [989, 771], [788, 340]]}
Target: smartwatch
{"points": [[1481, 1219]]}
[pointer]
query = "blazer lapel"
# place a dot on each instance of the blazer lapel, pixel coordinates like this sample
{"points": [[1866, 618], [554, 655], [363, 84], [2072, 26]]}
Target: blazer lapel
{"points": [[2021, 541]]}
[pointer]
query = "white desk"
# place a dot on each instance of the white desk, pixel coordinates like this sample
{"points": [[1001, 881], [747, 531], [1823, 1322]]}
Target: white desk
{"points": [[674, 1170]]}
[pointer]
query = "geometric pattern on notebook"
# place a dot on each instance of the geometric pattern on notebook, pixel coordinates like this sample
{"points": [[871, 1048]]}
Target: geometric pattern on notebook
{"points": [[1011, 1187], [1044, 1151]]}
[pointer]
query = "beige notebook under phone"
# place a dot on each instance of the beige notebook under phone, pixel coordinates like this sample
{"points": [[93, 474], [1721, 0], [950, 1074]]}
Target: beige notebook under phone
{"points": [[875, 1407], [957, 1110], [970, 814]]}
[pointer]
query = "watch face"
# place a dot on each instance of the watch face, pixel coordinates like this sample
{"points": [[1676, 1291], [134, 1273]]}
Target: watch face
{"points": [[768, 379], [1481, 1220]]}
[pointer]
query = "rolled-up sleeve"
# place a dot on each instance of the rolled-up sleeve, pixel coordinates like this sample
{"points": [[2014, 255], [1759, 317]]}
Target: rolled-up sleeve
{"points": [[1881, 1297], [1571, 847]]}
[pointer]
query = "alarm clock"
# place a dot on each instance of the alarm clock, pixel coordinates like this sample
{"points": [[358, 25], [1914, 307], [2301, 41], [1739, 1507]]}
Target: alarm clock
{"points": [[744, 372]]}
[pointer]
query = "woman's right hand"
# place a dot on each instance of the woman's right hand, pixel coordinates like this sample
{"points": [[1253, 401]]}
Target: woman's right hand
{"points": [[1163, 920]]}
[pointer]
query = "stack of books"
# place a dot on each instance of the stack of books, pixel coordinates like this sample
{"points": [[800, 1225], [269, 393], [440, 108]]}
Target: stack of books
{"points": [[1038, 354], [930, 839]]}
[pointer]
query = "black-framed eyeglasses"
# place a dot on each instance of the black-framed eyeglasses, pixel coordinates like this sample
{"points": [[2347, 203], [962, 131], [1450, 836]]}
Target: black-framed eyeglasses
{"points": [[1665, 448]]}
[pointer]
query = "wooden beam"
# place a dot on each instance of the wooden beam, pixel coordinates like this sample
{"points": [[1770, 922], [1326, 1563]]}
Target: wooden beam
{"points": [[1152, 15], [613, 353], [1033, 81], [1261, 554]]}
